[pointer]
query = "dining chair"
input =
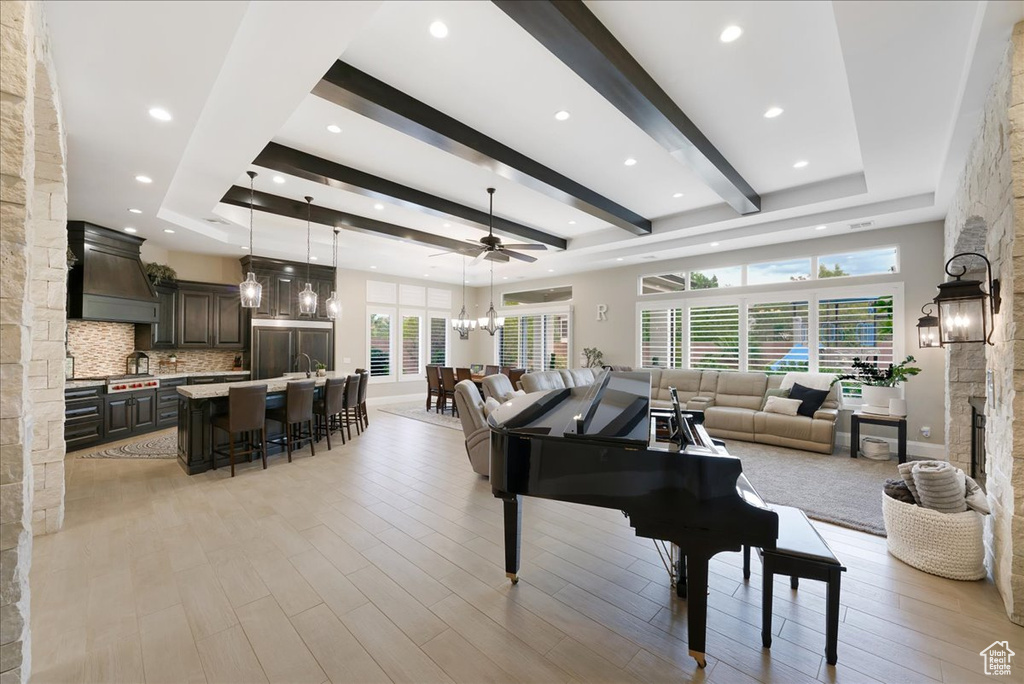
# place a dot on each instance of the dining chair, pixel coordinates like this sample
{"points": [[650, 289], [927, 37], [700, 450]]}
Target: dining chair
{"points": [[490, 370], [515, 375], [463, 374], [434, 386], [448, 389]]}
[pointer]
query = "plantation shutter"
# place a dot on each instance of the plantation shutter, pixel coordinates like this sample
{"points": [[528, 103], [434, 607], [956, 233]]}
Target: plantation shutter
{"points": [[715, 337], [439, 341], [656, 338], [557, 341], [410, 345], [532, 354], [508, 343], [380, 345], [777, 337], [854, 327]]}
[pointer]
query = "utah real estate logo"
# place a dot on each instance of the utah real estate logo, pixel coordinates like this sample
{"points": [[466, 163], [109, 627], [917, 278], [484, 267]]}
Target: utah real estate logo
{"points": [[997, 658]]}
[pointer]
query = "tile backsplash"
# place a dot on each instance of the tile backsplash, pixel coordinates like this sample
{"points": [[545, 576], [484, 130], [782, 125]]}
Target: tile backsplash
{"points": [[101, 349]]}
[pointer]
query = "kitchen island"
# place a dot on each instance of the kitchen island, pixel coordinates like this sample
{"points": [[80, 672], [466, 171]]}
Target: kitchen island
{"points": [[198, 404]]}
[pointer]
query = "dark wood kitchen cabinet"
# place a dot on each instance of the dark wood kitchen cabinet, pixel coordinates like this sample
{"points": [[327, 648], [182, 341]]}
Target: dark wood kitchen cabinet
{"points": [[129, 413], [196, 315], [83, 417], [229, 321], [163, 333], [167, 402], [286, 296], [195, 319], [282, 282], [274, 349]]}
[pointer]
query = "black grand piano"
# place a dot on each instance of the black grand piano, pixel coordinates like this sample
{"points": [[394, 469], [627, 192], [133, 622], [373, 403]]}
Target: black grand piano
{"points": [[591, 445]]}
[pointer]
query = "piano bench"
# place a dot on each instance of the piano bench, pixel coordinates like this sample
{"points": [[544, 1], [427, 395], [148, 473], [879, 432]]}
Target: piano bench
{"points": [[799, 552]]}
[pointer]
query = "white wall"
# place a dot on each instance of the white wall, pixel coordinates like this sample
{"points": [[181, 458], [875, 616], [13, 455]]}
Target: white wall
{"points": [[921, 261]]}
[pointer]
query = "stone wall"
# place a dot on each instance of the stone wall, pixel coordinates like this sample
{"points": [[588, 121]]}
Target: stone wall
{"points": [[987, 216], [33, 242]]}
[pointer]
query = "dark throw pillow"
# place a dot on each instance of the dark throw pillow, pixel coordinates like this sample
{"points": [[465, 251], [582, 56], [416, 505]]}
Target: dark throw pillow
{"points": [[810, 399]]}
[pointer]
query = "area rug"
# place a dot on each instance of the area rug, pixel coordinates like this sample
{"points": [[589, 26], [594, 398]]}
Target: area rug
{"points": [[162, 445], [832, 488], [417, 412]]}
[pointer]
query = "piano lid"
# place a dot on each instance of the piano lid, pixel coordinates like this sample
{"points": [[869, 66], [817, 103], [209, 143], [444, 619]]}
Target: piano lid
{"points": [[616, 408]]}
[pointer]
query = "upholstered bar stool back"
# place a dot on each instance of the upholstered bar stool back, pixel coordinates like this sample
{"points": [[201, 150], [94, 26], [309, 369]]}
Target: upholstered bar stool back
{"points": [[247, 409], [297, 410], [328, 409], [364, 382], [350, 408]]}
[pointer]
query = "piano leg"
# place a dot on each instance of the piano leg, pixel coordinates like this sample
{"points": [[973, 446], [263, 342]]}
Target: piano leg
{"points": [[681, 577], [513, 535], [697, 606]]}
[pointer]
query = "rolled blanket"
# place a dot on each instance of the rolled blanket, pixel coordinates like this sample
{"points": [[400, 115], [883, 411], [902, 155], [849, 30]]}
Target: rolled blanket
{"points": [[976, 498], [907, 473], [940, 486], [899, 490]]}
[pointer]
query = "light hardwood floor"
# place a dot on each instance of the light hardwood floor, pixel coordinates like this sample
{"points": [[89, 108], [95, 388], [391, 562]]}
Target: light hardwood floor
{"points": [[382, 561]]}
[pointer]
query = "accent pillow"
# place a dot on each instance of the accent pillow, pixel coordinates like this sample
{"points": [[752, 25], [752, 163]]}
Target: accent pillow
{"points": [[784, 393], [781, 405], [490, 404], [810, 399]]}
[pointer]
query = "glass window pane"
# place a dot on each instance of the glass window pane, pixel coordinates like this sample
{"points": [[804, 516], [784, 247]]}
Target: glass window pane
{"points": [[868, 262], [777, 337], [558, 341], [543, 296], [715, 337], [710, 278], [439, 341], [410, 345], [660, 284], [779, 271], [380, 345], [854, 327]]}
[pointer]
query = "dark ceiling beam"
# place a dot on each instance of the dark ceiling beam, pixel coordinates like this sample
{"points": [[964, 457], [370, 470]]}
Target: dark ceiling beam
{"points": [[302, 165], [571, 32], [356, 90], [282, 206]]}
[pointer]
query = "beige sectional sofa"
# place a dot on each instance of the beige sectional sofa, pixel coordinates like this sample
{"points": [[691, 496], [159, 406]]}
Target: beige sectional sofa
{"points": [[731, 403]]}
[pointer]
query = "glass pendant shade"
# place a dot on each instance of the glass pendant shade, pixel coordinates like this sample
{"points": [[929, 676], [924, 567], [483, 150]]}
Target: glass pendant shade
{"points": [[333, 306], [928, 335], [250, 291], [307, 300], [963, 312]]}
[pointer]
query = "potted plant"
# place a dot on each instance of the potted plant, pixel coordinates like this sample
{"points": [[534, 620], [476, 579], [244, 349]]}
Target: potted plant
{"points": [[160, 273], [321, 369], [878, 384], [593, 357]]}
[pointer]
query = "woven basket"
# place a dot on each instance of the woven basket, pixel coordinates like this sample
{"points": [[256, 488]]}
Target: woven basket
{"points": [[944, 544]]}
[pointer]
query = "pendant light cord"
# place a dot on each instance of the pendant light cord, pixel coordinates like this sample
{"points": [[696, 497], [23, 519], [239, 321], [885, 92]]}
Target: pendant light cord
{"points": [[252, 202], [309, 212]]}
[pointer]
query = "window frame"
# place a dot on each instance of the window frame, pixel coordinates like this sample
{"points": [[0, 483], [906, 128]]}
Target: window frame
{"points": [[543, 312], [392, 312], [421, 372], [447, 318]]}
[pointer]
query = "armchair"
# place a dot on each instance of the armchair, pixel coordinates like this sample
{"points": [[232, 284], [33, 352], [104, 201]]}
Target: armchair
{"points": [[474, 426]]}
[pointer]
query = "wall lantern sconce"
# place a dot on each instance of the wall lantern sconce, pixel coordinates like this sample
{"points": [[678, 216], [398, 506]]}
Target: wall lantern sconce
{"points": [[966, 311], [928, 329]]}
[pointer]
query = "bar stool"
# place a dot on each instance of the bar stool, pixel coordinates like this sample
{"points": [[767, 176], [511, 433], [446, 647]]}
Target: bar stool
{"points": [[298, 409], [351, 404], [329, 409], [364, 382], [247, 407]]}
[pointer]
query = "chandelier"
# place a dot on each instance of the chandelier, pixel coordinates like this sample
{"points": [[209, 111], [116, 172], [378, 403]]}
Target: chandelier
{"points": [[250, 291], [492, 322], [463, 324]]}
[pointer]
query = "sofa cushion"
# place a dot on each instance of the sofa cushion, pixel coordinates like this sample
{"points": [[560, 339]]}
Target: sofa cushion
{"points": [[686, 382], [542, 381], [778, 425], [811, 399], [741, 390], [729, 418], [781, 406], [784, 393], [579, 377]]}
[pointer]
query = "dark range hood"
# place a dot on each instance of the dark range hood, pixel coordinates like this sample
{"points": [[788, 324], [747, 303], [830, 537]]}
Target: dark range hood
{"points": [[108, 282]]}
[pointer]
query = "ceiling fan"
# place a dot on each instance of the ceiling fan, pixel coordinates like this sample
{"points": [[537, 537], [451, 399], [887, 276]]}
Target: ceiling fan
{"points": [[491, 247]]}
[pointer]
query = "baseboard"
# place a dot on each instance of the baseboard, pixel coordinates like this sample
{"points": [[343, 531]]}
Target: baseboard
{"points": [[922, 449], [395, 399]]}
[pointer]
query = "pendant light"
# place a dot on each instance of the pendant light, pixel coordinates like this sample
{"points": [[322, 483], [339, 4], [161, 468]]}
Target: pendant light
{"points": [[250, 291], [492, 322], [463, 324], [307, 298], [333, 304]]}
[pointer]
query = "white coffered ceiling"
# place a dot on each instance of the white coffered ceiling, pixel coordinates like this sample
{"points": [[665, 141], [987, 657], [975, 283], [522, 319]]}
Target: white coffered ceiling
{"points": [[880, 98]]}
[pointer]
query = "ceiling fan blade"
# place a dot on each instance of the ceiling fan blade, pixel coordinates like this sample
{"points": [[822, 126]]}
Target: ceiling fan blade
{"points": [[464, 251], [479, 257], [532, 245], [496, 256], [516, 255]]}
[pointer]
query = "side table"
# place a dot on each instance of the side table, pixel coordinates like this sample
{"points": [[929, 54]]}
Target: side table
{"points": [[900, 424]]}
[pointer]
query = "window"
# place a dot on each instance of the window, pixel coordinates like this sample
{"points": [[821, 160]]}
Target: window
{"points": [[411, 345], [868, 262], [854, 327], [660, 284], [708, 278], [661, 336], [779, 271], [539, 341], [439, 340], [546, 295], [715, 337], [380, 345], [777, 337]]}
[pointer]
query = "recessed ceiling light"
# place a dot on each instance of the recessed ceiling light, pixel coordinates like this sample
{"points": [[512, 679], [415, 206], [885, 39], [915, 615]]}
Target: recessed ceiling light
{"points": [[562, 115], [504, 277], [378, 207], [677, 195], [439, 29], [772, 112], [312, 258], [135, 211], [551, 270], [334, 128], [801, 164], [144, 179], [630, 162], [426, 275], [129, 229], [572, 223], [373, 267], [279, 179], [820, 227], [447, 225], [160, 114], [168, 230], [619, 259], [730, 34], [714, 244], [243, 247]]}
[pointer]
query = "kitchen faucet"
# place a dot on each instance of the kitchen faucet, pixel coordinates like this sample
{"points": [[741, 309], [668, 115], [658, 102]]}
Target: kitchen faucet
{"points": [[309, 364]]}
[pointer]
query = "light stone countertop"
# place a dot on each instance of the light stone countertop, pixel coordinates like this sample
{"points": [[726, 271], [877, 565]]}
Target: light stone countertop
{"points": [[79, 384], [273, 385], [99, 382]]}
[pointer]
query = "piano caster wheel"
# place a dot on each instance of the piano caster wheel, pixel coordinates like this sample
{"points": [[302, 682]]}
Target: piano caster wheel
{"points": [[699, 657], [513, 576]]}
